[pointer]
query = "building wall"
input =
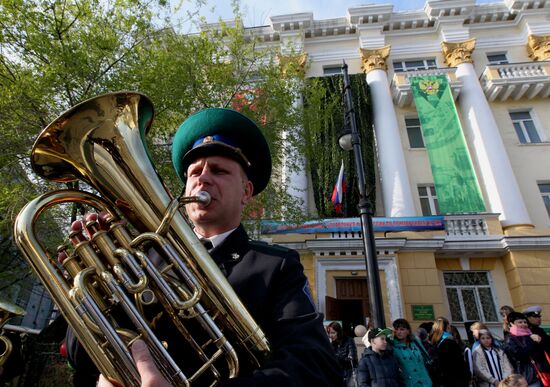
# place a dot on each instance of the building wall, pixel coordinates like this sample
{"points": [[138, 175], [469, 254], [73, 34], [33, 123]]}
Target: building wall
{"points": [[527, 273], [412, 264], [420, 282], [505, 35]]}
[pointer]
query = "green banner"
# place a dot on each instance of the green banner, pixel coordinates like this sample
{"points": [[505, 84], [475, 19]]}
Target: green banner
{"points": [[455, 182]]}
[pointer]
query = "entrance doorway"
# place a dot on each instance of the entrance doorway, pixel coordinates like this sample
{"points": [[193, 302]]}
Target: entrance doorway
{"points": [[351, 304]]}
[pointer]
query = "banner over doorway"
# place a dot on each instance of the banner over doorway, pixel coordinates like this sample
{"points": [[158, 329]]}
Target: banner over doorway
{"points": [[455, 181]]}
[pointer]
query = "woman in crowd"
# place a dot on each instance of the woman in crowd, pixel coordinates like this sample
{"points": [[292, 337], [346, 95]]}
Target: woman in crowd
{"points": [[522, 347], [452, 370], [504, 312], [344, 348], [410, 355], [491, 365]]}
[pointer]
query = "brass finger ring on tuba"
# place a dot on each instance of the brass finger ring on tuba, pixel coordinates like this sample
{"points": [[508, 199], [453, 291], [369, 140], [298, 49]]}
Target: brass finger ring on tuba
{"points": [[146, 268]]}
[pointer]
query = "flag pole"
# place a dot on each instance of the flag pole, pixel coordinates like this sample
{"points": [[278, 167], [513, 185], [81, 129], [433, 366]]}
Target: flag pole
{"points": [[365, 211]]}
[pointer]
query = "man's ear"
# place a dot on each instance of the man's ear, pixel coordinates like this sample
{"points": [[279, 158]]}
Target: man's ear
{"points": [[248, 190]]}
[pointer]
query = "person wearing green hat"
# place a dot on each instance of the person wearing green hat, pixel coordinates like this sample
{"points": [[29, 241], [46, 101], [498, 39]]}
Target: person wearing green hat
{"points": [[224, 153], [377, 366]]}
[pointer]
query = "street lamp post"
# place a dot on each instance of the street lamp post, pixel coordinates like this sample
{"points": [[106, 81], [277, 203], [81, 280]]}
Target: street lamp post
{"points": [[351, 140]]}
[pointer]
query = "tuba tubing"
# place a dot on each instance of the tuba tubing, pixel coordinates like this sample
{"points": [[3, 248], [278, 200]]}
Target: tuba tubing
{"points": [[7, 311], [101, 142]]}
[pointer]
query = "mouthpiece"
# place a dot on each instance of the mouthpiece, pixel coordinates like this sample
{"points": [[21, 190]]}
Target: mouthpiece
{"points": [[203, 198]]}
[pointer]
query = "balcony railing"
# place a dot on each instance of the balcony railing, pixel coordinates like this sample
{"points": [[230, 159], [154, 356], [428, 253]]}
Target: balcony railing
{"points": [[516, 80], [401, 86], [456, 226], [466, 225]]}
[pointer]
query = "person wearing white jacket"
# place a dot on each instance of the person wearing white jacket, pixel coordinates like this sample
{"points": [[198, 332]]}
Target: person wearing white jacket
{"points": [[491, 365]]}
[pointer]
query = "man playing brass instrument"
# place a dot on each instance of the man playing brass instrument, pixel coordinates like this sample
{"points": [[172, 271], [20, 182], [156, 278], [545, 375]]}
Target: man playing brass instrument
{"points": [[222, 152]]}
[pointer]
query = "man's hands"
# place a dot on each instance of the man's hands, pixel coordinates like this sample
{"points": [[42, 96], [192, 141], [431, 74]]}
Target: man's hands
{"points": [[150, 374]]}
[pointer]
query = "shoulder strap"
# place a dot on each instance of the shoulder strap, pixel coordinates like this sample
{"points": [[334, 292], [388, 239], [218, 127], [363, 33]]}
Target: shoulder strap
{"points": [[425, 354]]}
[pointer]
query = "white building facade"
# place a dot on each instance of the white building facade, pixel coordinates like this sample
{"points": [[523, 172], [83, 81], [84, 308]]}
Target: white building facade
{"points": [[496, 58]]}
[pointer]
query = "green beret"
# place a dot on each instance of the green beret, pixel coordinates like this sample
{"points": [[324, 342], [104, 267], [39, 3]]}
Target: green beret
{"points": [[223, 132]]}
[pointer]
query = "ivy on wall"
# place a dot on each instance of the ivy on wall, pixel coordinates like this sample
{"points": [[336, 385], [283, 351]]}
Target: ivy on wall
{"points": [[323, 123]]}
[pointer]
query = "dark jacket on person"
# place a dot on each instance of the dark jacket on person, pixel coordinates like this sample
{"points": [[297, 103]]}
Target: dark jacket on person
{"points": [[271, 283], [378, 369], [537, 330], [346, 353], [452, 369], [520, 351]]}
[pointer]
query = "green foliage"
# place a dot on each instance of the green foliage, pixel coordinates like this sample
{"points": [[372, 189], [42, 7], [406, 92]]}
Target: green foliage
{"points": [[323, 122], [57, 53]]}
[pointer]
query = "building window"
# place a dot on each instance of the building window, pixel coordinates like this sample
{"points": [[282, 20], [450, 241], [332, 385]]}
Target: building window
{"points": [[525, 127], [497, 58], [470, 296], [545, 193], [412, 65], [414, 132], [428, 200], [332, 70]]}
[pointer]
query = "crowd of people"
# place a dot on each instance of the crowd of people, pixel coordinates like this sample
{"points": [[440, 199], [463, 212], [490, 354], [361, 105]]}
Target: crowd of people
{"points": [[435, 354]]}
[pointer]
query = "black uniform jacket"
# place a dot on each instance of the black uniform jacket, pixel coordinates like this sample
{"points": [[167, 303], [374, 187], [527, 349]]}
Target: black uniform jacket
{"points": [[271, 283]]}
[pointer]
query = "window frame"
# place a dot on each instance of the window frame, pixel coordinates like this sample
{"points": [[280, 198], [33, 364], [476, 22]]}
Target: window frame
{"points": [[524, 129], [411, 127], [329, 70], [427, 65], [545, 195], [479, 306], [433, 202], [497, 62]]}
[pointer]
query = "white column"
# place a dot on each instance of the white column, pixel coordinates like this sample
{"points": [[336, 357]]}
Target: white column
{"points": [[294, 169], [294, 174], [496, 171], [396, 189]]}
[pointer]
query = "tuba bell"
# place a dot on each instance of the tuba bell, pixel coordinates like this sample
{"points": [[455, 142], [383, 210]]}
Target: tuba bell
{"points": [[144, 257], [7, 312]]}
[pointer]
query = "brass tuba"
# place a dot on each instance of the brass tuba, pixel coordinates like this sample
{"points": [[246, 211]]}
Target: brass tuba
{"points": [[156, 260], [7, 311]]}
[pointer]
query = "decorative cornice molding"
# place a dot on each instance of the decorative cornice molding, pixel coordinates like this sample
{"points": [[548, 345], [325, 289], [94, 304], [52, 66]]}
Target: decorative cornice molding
{"points": [[371, 13], [456, 9], [456, 53], [538, 47], [442, 247], [374, 59], [294, 21]]}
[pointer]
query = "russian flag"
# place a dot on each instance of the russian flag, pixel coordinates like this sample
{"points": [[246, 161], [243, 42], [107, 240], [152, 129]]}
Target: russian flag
{"points": [[339, 189]]}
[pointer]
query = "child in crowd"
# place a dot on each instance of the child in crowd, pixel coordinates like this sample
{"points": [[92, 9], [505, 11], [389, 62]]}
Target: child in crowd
{"points": [[491, 365], [378, 367]]}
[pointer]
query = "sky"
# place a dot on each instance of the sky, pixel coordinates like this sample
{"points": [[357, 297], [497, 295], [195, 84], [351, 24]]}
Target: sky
{"points": [[257, 12]]}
